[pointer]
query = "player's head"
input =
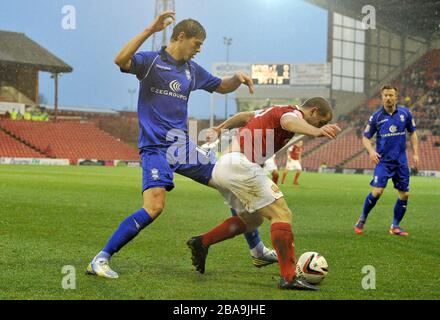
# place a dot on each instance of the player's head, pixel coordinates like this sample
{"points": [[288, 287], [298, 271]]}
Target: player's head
{"points": [[188, 35], [300, 143], [389, 95], [317, 111]]}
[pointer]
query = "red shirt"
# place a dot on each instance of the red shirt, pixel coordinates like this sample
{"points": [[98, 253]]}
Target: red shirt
{"points": [[263, 135], [296, 152]]}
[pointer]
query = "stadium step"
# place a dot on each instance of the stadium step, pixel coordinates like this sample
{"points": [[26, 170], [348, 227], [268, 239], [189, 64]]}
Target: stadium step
{"points": [[22, 141], [325, 142], [353, 157]]}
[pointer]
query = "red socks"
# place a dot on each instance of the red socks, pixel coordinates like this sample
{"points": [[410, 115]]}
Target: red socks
{"points": [[275, 177], [282, 241], [228, 229]]}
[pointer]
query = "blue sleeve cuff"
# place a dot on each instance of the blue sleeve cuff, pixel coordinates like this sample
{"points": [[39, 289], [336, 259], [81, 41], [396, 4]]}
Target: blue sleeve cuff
{"points": [[215, 84]]}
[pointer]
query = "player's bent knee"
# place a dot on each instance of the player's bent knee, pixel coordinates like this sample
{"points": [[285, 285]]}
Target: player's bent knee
{"points": [[154, 201], [282, 216], [277, 211], [154, 210], [252, 220], [403, 195], [256, 222], [377, 192]]}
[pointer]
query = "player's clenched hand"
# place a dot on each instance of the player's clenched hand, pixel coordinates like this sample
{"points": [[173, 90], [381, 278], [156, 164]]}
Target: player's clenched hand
{"points": [[212, 134], [244, 79], [374, 156], [162, 21], [329, 131]]}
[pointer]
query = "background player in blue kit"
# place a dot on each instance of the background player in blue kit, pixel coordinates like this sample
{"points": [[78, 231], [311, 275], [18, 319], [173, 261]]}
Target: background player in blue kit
{"points": [[390, 123], [166, 79]]}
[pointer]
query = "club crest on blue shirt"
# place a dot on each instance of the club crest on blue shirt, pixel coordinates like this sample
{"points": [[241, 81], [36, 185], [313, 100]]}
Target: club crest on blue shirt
{"points": [[175, 86], [393, 128], [155, 174], [402, 118]]}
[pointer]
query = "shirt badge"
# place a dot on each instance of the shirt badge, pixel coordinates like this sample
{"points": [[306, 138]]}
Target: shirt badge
{"points": [[155, 174], [402, 118]]}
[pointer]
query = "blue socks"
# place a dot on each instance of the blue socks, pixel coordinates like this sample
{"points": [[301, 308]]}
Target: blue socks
{"points": [[131, 226], [252, 238], [369, 204], [399, 211], [127, 230]]}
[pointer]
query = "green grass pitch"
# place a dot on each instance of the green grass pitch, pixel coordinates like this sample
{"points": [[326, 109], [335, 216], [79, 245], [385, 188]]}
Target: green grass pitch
{"points": [[56, 216]]}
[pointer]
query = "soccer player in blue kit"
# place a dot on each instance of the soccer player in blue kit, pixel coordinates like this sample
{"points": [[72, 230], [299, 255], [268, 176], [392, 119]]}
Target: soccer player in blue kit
{"points": [[390, 123], [166, 79]]}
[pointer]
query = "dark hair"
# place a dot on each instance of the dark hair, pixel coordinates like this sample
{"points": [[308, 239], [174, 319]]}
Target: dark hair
{"points": [[388, 87], [191, 28]]}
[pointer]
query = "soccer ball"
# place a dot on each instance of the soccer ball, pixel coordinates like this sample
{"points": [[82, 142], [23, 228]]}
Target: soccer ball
{"points": [[312, 266]]}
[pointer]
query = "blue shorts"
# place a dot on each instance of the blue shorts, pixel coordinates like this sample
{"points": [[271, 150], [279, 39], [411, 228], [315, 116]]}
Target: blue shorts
{"points": [[399, 173], [159, 165]]}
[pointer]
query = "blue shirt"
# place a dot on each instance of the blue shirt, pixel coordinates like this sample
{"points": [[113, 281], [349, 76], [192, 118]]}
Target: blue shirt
{"points": [[391, 134], [165, 86]]}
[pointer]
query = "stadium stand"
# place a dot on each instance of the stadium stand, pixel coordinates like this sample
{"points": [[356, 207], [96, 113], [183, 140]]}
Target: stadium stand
{"points": [[10, 147], [428, 151], [67, 140], [420, 92], [334, 152]]}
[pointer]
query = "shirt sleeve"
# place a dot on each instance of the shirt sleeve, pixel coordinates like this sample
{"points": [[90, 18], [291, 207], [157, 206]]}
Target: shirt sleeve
{"points": [[370, 129], [410, 123], [294, 113], [141, 62], [204, 80]]}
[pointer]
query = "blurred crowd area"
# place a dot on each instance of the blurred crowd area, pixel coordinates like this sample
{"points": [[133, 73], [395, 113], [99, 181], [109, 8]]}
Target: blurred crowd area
{"points": [[418, 91]]}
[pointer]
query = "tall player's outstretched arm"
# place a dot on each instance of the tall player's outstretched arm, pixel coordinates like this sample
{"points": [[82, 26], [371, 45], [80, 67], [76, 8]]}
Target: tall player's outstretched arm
{"points": [[301, 126], [231, 84], [123, 59], [374, 156]]}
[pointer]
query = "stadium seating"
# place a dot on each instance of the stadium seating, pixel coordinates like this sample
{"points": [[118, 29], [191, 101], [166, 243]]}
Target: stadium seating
{"points": [[311, 144], [69, 140], [334, 152], [10, 147], [419, 90], [429, 156]]}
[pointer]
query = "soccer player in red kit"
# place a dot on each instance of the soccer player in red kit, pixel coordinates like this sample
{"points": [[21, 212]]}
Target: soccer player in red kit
{"points": [[240, 178], [294, 162]]}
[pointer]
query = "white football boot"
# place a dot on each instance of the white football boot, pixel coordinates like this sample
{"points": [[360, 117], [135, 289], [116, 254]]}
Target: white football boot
{"points": [[268, 257], [100, 267]]}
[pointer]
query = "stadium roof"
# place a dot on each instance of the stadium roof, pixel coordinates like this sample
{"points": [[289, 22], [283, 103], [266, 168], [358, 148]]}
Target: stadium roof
{"points": [[17, 48], [416, 18], [83, 109]]}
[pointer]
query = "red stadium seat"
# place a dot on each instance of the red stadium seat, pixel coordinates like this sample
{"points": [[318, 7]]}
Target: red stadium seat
{"points": [[69, 140]]}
